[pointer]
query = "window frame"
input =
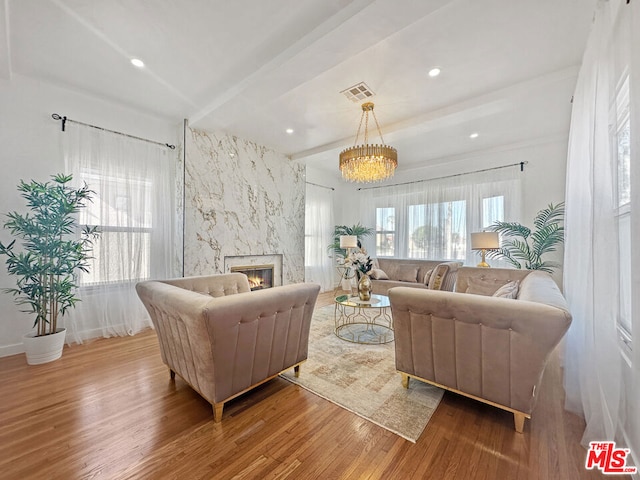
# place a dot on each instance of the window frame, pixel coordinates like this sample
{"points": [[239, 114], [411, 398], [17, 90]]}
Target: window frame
{"points": [[383, 231], [620, 121], [472, 193], [146, 226]]}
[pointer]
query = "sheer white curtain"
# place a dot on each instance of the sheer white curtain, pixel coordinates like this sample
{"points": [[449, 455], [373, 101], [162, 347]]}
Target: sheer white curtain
{"points": [[597, 206], [319, 225], [134, 208], [434, 219]]}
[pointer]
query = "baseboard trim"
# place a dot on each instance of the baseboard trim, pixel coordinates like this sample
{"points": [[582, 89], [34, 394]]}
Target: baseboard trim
{"points": [[15, 349], [8, 350]]}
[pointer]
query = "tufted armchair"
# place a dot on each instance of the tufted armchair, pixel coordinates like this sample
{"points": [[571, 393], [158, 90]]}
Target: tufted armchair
{"points": [[224, 339]]}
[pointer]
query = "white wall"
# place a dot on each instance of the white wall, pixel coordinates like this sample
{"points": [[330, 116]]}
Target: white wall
{"points": [[346, 203], [331, 179], [31, 149]]}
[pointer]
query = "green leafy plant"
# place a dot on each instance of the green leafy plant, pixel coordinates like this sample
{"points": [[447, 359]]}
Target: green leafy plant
{"points": [[51, 252], [340, 230], [524, 248]]}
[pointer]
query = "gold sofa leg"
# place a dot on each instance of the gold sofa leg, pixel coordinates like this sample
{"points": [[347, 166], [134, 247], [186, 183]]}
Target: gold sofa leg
{"points": [[405, 380], [296, 371], [217, 411], [518, 420]]}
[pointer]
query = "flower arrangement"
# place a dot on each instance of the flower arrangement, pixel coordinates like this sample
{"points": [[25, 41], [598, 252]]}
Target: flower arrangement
{"points": [[360, 261]]}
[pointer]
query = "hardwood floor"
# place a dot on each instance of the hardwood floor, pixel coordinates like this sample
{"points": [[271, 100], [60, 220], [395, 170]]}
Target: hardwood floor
{"points": [[108, 409]]}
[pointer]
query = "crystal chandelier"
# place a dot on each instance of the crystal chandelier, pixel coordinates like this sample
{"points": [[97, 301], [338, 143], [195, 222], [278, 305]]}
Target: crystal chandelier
{"points": [[368, 163]]}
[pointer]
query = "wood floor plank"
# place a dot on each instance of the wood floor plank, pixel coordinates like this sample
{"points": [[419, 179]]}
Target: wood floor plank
{"points": [[108, 410]]}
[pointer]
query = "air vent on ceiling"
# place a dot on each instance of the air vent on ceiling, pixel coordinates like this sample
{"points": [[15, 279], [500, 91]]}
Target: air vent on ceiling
{"points": [[358, 92]]}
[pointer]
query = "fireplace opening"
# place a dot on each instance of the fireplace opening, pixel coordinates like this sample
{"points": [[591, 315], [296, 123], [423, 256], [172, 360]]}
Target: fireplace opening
{"points": [[260, 276]]}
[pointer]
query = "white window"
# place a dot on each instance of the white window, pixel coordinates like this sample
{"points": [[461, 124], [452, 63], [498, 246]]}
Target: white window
{"points": [[622, 210], [433, 219], [492, 210], [121, 209], [437, 230], [385, 231]]}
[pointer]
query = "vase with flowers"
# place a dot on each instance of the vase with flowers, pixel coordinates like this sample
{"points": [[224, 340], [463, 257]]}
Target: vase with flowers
{"points": [[361, 263]]}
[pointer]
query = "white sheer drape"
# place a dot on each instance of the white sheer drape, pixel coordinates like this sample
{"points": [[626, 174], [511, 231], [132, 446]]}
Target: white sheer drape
{"points": [[134, 208], [434, 219], [319, 225], [594, 366]]}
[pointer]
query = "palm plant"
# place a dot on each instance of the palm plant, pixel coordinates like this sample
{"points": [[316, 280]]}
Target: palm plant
{"points": [[340, 230], [52, 253], [524, 248]]}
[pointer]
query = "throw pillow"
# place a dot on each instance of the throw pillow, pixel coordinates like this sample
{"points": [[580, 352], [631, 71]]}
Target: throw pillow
{"points": [[508, 290], [375, 263], [407, 273], [378, 274], [483, 286], [427, 277], [437, 276], [444, 276]]}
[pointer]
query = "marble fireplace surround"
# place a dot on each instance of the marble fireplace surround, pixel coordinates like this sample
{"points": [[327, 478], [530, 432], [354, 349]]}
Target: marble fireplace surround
{"points": [[241, 199], [252, 260]]}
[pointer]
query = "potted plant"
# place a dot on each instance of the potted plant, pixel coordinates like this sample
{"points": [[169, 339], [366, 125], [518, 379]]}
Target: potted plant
{"points": [[357, 230], [340, 230], [52, 254], [524, 248]]}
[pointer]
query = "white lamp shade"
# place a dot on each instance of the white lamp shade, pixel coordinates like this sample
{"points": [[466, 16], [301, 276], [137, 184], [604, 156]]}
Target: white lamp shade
{"points": [[485, 240], [348, 241]]}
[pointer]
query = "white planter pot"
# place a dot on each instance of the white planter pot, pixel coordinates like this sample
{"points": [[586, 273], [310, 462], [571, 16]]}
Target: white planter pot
{"points": [[46, 348]]}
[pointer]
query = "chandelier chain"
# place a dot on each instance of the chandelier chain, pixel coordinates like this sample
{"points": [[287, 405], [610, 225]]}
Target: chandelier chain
{"points": [[355, 142], [366, 127], [377, 126]]}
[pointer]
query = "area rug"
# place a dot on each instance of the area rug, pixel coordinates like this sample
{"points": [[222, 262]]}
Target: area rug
{"points": [[363, 380]]}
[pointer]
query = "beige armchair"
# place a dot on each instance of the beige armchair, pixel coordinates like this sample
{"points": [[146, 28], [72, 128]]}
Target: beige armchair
{"points": [[224, 339], [488, 348]]}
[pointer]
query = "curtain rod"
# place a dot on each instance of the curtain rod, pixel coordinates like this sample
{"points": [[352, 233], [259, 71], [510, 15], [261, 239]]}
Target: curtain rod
{"points": [[64, 120], [521, 164], [321, 186]]}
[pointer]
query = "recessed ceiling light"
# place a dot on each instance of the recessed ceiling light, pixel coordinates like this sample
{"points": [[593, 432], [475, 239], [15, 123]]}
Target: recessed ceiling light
{"points": [[289, 131], [137, 62], [434, 72], [474, 135]]}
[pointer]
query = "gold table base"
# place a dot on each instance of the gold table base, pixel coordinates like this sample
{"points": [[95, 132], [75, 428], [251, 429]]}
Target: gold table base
{"points": [[368, 323]]}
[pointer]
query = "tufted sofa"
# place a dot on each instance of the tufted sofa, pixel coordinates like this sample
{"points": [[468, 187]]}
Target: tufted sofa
{"points": [[224, 339], [492, 349], [426, 274]]}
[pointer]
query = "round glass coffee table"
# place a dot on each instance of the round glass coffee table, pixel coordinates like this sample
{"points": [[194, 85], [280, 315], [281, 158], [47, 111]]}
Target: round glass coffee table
{"points": [[367, 322]]}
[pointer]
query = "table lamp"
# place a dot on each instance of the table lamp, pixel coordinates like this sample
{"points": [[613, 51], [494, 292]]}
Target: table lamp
{"points": [[485, 241], [348, 242]]}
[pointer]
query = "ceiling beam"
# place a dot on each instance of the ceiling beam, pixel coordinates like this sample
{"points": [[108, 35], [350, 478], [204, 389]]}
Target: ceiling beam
{"points": [[5, 45], [330, 34], [492, 150], [232, 91], [473, 108]]}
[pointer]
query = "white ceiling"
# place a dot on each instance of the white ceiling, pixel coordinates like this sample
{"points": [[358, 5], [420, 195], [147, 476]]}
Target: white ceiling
{"points": [[254, 68]]}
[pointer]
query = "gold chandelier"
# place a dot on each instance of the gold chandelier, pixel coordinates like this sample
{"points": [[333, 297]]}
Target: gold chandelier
{"points": [[368, 163]]}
